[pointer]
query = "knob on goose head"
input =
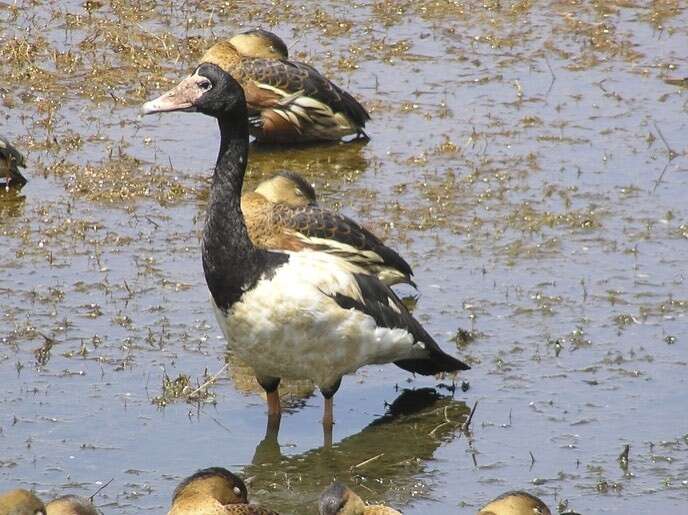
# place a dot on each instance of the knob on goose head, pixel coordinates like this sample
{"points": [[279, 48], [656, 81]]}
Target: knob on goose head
{"points": [[208, 90]]}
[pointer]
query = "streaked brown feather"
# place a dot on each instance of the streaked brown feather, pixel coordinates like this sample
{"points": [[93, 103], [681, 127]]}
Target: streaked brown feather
{"points": [[262, 229], [283, 227], [315, 107], [258, 98], [276, 128]]}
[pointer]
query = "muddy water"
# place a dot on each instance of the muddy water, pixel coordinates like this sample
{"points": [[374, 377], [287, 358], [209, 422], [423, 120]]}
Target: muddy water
{"points": [[529, 160]]}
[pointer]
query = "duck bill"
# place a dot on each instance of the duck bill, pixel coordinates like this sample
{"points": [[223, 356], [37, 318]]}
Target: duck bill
{"points": [[180, 98]]}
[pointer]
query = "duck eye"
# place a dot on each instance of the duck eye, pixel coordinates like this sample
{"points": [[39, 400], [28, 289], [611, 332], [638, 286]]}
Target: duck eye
{"points": [[205, 85], [237, 490]]}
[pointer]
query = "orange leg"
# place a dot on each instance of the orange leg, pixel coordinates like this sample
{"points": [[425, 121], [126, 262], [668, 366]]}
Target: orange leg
{"points": [[274, 407], [274, 412], [328, 416], [328, 422], [271, 387]]}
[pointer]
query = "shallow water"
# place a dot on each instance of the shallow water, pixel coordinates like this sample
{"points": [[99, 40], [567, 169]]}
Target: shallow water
{"points": [[527, 158]]}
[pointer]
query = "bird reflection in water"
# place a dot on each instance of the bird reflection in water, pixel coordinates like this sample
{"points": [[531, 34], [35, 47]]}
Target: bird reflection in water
{"points": [[384, 458], [333, 162]]}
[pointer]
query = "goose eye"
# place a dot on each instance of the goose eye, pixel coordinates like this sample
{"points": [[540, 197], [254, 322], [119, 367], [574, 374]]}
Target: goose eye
{"points": [[237, 490], [205, 85]]}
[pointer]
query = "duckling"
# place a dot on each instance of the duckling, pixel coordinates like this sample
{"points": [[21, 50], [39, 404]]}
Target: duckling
{"points": [[298, 315], [10, 161], [288, 101], [515, 503], [338, 499], [71, 505], [20, 502], [213, 491], [282, 213], [260, 43]]}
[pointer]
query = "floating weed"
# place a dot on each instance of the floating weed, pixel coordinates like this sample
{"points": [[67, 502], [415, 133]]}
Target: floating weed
{"points": [[624, 320], [603, 486], [329, 25], [42, 353], [173, 389], [121, 179], [181, 388], [464, 337], [577, 339], [526, 217]]}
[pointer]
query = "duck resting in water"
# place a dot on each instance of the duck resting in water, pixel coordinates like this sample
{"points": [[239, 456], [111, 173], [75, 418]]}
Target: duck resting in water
{"points": [[301, 315], [71, 505], [10, 162], [515, 503], [260, 43], [338, 499], [288, 101], [282, 214], [20, 502], [213, 491]]}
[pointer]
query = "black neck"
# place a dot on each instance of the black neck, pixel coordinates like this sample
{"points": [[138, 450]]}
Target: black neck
{"points": [[230, 261]]}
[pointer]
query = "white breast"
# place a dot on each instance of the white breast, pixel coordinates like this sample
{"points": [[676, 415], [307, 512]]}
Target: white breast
{"points": [[288, 325]]}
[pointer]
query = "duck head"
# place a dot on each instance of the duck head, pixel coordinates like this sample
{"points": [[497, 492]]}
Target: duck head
{"points": [[71, 505], [261, 44], [338, 499], [215, 482], [288, 188], [208, 90], [20, 502]]}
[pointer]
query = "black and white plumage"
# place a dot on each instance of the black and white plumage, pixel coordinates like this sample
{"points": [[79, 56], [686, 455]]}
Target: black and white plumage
{"points": [[304, 314]]}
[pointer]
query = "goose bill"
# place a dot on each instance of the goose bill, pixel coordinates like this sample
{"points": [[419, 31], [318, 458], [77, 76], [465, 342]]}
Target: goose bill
{"points": [[180, 98]]}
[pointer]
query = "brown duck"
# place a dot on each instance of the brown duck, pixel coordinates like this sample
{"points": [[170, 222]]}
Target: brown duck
{"points": [[71, 505], [20, 502], [338, 499], [515, 503], [214, 491], [288, 101], [10, 162], [260, 43], [282, 213]]}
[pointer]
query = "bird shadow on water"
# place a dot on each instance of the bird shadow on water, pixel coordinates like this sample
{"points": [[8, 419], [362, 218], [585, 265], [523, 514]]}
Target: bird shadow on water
{"points": [[384, 458]]}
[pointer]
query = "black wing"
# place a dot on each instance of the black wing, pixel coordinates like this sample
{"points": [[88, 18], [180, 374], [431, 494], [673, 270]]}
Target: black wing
{"points": [[381, 303]]}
